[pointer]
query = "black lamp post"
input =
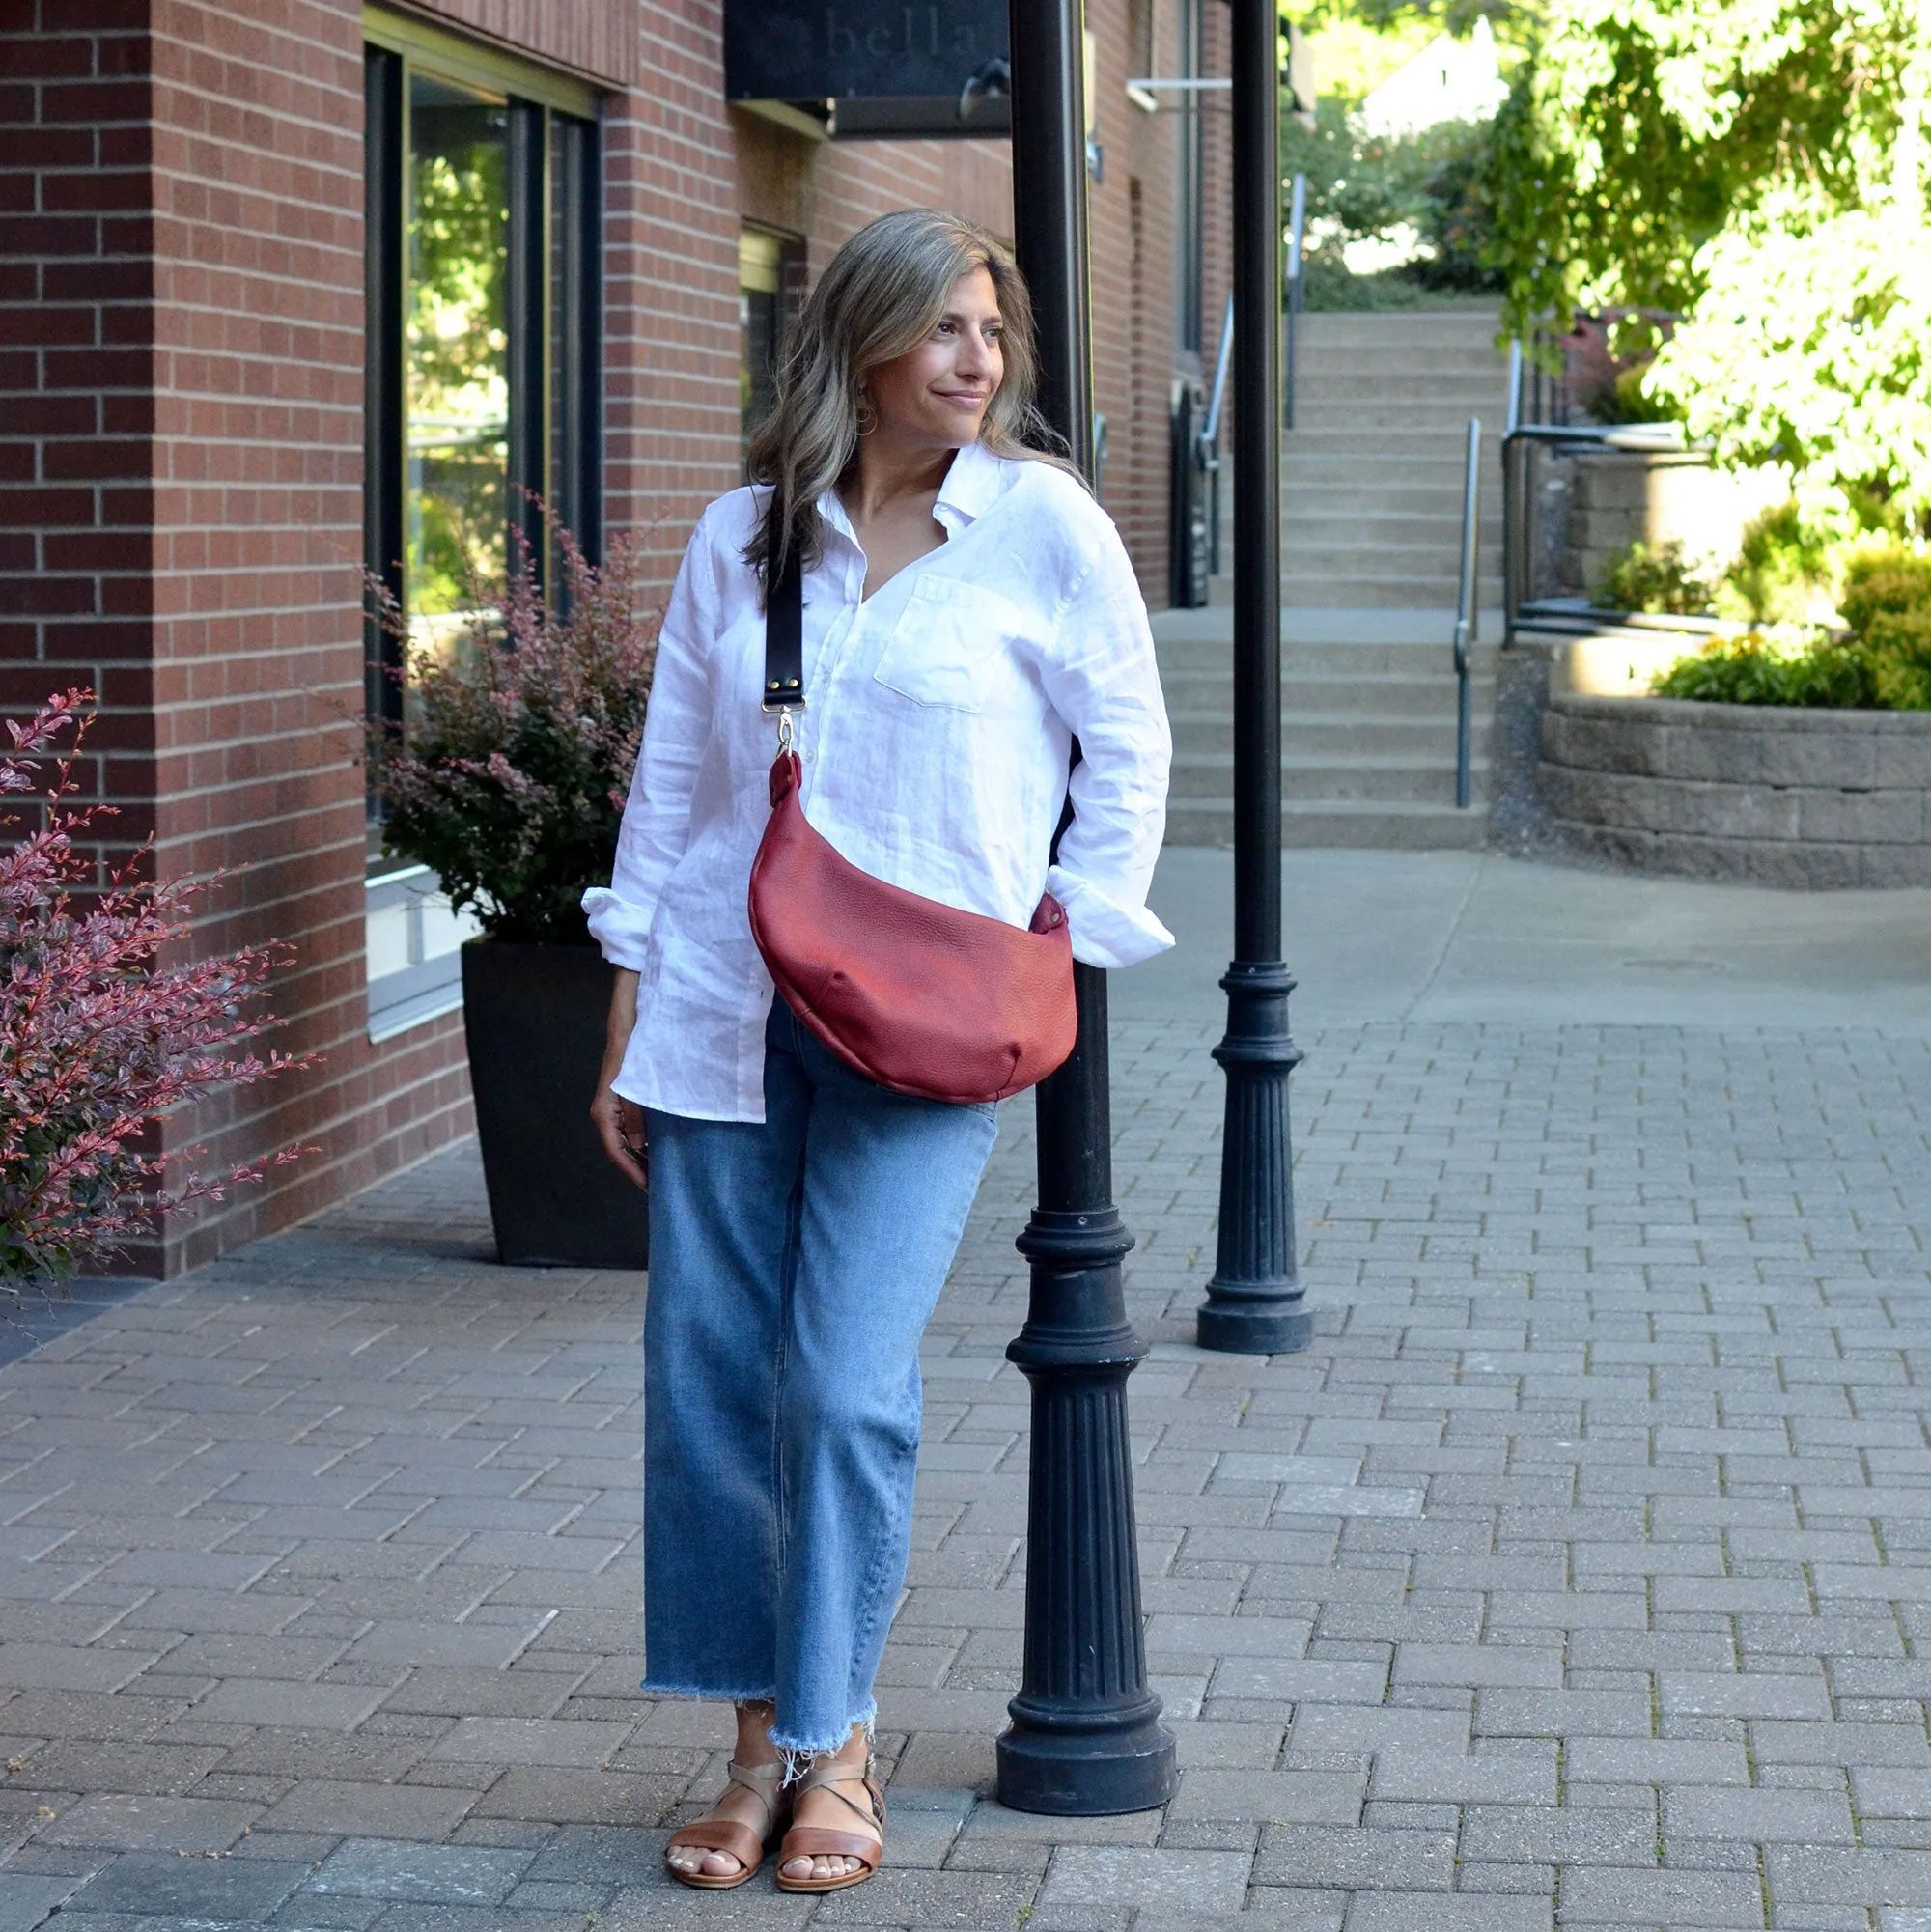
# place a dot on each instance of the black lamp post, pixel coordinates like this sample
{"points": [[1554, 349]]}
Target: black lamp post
{"points": [[1086, 1737], [1253, 1303]]}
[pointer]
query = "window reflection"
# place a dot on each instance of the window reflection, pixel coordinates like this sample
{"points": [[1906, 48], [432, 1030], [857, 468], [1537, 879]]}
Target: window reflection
{"points": [[457, 344]]}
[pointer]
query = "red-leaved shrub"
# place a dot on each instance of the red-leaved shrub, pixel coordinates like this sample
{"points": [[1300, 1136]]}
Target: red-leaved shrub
{"points": [[96, 1038], [508, 782]]}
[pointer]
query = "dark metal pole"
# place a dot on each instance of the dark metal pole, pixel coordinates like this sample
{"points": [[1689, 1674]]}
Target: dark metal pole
{"points": [[1254, 1302], [1086, 1737]]}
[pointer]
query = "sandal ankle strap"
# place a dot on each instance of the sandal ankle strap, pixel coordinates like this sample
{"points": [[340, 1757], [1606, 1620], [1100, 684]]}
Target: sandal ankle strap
{"points": [[765, 1782], [827, 1773]]}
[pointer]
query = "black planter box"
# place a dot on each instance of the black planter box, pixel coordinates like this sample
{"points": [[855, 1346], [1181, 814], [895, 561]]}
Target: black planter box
{"points": [[535, 1019]]}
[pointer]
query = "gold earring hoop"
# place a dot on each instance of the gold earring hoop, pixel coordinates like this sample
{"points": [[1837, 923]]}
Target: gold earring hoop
{"points": [[868, 417]]}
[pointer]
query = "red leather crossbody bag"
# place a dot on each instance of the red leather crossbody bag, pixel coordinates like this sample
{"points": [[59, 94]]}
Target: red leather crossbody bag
{"points": [[921, 998]]}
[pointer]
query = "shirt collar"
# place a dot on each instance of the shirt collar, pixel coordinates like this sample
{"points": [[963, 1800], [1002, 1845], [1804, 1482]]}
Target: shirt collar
{"points": [[972, 486], [974, 483]]}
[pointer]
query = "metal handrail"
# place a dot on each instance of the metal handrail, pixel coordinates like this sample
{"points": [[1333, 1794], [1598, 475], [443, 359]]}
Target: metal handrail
{"points": [[1210, 436], [1468, 619], [1648, 438], [1297, 228], [1210, 433]]}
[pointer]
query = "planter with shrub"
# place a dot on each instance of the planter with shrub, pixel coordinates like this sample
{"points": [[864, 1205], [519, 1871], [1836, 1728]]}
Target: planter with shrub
{"points": [[509, 783]]}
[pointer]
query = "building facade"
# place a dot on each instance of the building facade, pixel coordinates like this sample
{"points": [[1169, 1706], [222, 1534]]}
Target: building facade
{"points": [[297, 287]]}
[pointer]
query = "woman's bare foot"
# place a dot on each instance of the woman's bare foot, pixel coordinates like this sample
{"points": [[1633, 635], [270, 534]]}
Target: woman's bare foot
{"points": [[825, 1811], [754, 1747]]}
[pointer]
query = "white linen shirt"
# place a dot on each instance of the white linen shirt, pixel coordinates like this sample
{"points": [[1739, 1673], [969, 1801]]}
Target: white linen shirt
{"points": [[940, 714]]}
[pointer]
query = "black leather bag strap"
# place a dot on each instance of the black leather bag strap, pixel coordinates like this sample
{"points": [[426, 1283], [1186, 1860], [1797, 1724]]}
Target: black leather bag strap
{"points": [[784, 639]]}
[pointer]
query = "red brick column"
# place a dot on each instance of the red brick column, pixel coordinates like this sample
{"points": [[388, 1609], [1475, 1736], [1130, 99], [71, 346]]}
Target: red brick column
{"points": [[76, 383]]}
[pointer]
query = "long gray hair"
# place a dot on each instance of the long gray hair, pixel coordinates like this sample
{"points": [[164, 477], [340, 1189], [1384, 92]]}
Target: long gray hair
{"points": [[881, 296]]}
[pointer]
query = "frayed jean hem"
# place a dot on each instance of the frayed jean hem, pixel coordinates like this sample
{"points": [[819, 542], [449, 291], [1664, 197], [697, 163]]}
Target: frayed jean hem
{"points": [[708, 1694], [796, 1753]]}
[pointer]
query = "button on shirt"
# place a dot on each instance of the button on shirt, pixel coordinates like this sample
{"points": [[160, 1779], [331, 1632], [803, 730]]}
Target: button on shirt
{"points": [[940, 716]]}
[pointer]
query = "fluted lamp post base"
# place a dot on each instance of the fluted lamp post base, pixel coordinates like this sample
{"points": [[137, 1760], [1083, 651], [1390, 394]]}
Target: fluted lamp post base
{"points": [[1046, 1766], [1255, 1304], [1085, 1738]]}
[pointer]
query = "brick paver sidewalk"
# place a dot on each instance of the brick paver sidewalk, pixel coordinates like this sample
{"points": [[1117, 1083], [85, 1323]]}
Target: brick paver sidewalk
{"points": [[1574, 1576]]}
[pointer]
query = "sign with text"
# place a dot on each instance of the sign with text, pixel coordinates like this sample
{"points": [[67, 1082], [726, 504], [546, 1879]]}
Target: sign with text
{"points": [[856, 49]]}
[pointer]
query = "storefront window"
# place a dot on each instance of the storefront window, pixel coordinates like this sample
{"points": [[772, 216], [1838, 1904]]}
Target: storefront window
{"points": [[482, 332], [484, 406]]}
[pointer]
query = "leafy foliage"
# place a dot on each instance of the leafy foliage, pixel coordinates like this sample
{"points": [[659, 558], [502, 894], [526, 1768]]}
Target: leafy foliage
{"points": [[1758, 671], [1812, 350], [1755, 167], [1781, 566], [1640, 578], [510, 779], [96, 1041], [1887, 602], [1430, 189], [1884, 663], [1640, 129], [456, 331]]}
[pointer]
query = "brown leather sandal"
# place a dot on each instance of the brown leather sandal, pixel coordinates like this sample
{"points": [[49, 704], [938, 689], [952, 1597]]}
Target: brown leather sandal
{"points": [[766, 1782], [812, 1841]]}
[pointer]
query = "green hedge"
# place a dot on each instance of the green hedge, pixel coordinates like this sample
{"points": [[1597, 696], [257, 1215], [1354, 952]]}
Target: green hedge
{"points": [[1881, 663]]}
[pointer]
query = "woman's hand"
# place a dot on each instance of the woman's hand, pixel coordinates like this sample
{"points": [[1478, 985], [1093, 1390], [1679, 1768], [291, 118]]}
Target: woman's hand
{"points": [[620, 1122]]}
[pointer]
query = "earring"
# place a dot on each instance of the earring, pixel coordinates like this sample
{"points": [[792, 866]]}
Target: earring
{"points": [[868, 417]]}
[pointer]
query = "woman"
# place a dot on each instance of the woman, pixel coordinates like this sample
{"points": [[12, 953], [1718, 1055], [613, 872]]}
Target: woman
{"points": [[968, 610]]}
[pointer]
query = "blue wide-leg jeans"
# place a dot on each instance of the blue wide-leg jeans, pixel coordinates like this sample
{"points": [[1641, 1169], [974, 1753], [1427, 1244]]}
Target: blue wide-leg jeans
{"points": [[794, 1266]]}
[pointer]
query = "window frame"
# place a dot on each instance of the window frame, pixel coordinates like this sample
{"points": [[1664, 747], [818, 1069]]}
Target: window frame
{"points": [[556, 220]]}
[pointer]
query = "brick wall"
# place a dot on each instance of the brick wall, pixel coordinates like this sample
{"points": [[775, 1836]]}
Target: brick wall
{"points": [[257, 195], [1130, 246], [76, 406], [670, 283], [181, 431], [596, 37]]}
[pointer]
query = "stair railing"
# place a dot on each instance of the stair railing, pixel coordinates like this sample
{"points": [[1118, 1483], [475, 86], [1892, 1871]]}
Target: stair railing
{"points": [[1297, 229], [1210, 436], [1522, 536], [1466, 617]]}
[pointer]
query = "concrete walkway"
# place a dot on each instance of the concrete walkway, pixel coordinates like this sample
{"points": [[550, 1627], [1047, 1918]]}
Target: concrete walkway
{"points": [[1575, 1576]]}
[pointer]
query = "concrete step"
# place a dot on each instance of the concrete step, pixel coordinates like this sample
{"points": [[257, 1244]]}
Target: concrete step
{"points": [[1207, 774], [1358, 473], [1410, 659], [1384, 588], [1196, 706], [1455, 357], [1316, 522], [1399, 326], [1424, 385], [1316, 736], [1370, 495], [1359, 406], [1330, 450], [1410, 828]]}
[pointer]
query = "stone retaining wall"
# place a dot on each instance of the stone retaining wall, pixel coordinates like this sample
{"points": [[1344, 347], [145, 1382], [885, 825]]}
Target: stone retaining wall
{"points": [[1780, 796]]}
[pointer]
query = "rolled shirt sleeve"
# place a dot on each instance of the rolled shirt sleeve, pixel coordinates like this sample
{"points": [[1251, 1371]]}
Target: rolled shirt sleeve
{"points": [[1101, 678], [656, 818]]}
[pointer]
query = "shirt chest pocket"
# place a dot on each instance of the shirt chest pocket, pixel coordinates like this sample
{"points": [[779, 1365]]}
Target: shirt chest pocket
{"points": [[948, 646]]}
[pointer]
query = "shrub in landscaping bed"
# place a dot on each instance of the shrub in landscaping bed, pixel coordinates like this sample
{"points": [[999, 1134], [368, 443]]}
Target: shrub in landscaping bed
{"points": [[1654, 578], [1881, 661]]}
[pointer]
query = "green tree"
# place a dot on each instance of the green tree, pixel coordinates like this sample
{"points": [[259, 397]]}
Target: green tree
{"points": [[1753, 167]]}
